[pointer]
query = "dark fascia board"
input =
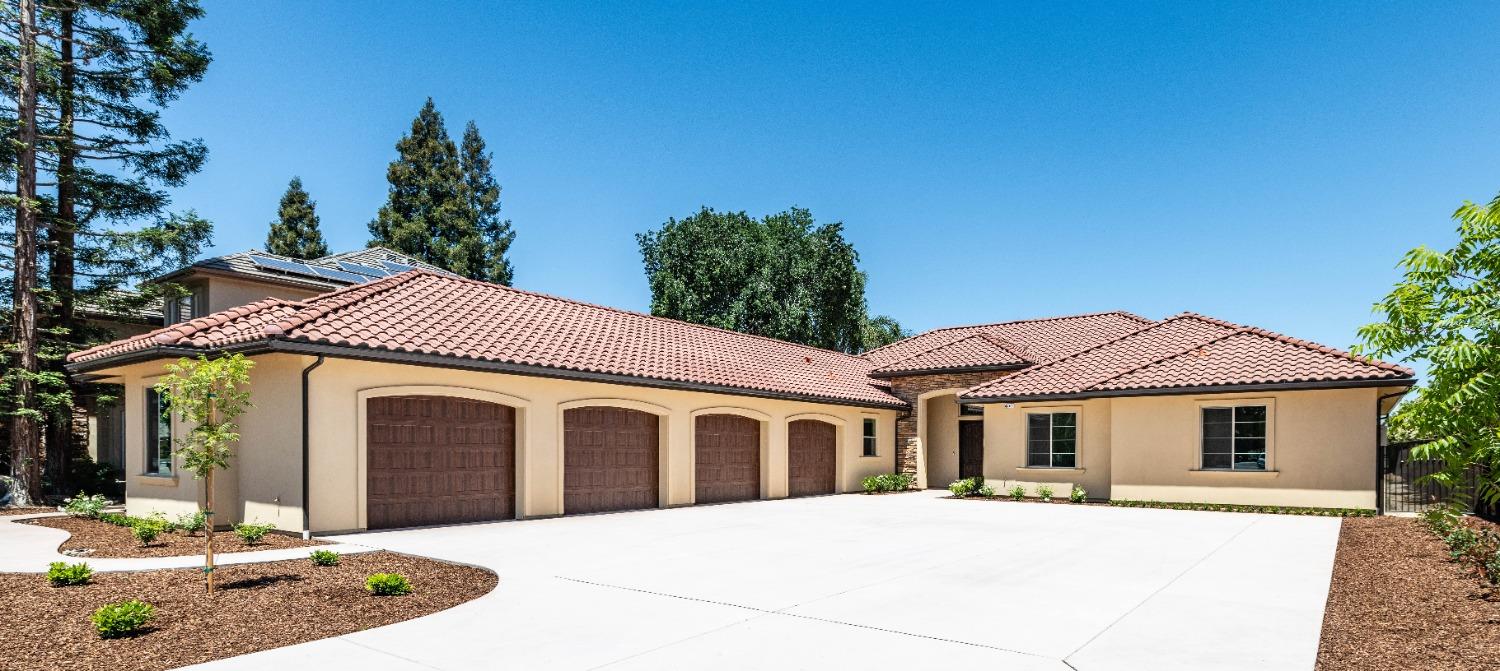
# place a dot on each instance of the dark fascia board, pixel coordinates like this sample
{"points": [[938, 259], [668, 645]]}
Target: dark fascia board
{"points": [[267, 278], [951, 369], [441, 361], [1206, 389]]}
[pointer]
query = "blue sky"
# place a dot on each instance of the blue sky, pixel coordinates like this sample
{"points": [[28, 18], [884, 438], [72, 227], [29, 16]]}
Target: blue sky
{"points": [[1265, 164]]}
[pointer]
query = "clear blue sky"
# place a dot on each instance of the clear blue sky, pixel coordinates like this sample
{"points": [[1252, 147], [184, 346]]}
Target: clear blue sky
{"points": [[1264, 164]]}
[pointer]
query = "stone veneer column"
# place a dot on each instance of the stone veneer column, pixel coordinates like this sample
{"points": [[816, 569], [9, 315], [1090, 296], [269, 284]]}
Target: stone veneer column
{"points": [[908, 388]]}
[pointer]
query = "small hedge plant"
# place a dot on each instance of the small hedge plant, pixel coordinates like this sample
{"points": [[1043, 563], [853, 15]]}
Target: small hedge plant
{"points": [[1044, 491], [886, 482], [252, 533], [191, 523], [85, 506], [324, 558], [387, 584], [1078, 495], [970, 487], [146, 529], [122, 619], [1236, 508], [1017, 492], [65, 575], [1479, 548]]}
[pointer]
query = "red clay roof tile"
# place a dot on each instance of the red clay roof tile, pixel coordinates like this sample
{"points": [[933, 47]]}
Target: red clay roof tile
{"points": [[1025, 341]]}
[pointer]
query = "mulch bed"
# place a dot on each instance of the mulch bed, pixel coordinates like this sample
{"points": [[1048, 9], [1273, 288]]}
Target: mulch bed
{"points": [[108, 540], [256, 607], [25, 510], [1396, 602]]}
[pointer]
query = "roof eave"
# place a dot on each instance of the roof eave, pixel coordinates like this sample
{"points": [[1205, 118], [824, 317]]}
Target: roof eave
{"points": [[1406, 382], [269, 278]]}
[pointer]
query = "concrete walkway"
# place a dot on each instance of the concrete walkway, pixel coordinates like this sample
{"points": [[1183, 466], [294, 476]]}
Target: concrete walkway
{"points": [[910, 580], [28, 548]]}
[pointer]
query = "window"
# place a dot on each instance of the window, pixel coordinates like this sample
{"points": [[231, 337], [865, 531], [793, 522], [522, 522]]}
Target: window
{"points": [[1052, 440], [158, 434], [184, 308], [869, 437], [1234, 438]]}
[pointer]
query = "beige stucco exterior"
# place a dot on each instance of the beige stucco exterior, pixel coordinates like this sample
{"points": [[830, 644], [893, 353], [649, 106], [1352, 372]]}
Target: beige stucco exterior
{"points": [[265, 482]]}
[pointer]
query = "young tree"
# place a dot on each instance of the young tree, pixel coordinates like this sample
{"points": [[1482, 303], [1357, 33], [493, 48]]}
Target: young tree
{"points": [[295, 232], [783, 276], [482, 197], [209, 394], [25, 458], [1446, 311]]}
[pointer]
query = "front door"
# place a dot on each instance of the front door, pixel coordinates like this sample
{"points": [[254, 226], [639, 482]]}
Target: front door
{"points": [[971, 448]]}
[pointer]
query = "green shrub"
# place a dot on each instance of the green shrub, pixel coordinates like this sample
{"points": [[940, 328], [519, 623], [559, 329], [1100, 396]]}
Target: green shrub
{"points": [[1235, 508], [887, 482], [1460, 541], [1440, 520], [1044, 491], [117, 519], [124, 618], [252, 533], [1492, 566], [1017, 492], [1078, 495], [970, 487], [387, 584], [985, 490], [63, 575], [146, 529], [324, 558], [86, 506], [191, 523]]}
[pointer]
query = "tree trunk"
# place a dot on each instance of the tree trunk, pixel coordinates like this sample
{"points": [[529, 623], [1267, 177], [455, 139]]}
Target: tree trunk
{"points": [[25, 437], [208, 509], [60, 242]]}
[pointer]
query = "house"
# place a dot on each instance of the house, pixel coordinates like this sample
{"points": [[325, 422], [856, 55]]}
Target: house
{"points": [[424, 398], [220, 283]]}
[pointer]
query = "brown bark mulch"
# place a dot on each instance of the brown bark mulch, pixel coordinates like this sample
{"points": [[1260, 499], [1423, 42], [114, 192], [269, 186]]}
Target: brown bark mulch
{"points": [[1396, 602], [108, 540], [25, 510], [256, 607]]}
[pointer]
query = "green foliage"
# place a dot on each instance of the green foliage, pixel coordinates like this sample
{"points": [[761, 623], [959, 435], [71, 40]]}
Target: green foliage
{"points": [[1017, 492], [970, 487], [295, 232], [1044, 491], [782, 276], [1460, 539], [1078, 495], [387, 584], [147, 529], [123, 618], [882, 330], [118, 519], [86, 506], [1443, 312], [443, 206], [64, 575], [1440, 520], [191, 522], [208, 394], [887, 482], [252, 533], [324, 558], [1237, 508]]}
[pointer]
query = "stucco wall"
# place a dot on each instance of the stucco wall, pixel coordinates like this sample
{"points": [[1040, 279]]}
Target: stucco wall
{"points": [[1005, 448], [941, 445], [225, 293]]}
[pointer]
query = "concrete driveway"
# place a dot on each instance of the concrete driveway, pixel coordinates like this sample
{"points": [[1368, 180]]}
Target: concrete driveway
{"points": [[863, 581]]}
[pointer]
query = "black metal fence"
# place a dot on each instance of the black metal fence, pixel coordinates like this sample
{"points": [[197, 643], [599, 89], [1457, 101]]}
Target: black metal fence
{"points": [[1403, 487]]}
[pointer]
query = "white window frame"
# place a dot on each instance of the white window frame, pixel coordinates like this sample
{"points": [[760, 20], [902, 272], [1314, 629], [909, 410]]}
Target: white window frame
{"points": [[1076, 412], [1231, 403], [151, 464], [869, 442]]}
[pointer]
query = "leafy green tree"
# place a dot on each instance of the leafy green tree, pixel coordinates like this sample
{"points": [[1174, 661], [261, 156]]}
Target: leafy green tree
{"points": [[295, 232], [1446, 311], [883, 330], [104, 73], [208, 394], [782, 276], [443, 207]]}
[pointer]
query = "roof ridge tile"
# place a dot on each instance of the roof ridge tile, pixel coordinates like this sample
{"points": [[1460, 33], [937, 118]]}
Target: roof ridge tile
{"points": [[1123, 313]]}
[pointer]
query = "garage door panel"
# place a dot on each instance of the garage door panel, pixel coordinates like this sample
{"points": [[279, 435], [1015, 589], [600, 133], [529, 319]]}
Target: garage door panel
{"points": [[438, 460], [812, 450], [726, 458], [611, 458]]}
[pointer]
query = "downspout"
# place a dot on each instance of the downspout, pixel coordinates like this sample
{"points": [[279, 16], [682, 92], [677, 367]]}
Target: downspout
{"points": [[306, 515], [1380, 455]]}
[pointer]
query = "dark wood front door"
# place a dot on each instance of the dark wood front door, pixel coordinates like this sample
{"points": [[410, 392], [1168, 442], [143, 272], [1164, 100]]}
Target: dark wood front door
{"points": [[812, 448], [726, 458], [610, 459], [438, 460], [971, 448]]}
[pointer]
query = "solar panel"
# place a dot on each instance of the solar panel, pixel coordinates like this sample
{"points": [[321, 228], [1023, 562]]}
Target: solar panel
{"points": [[284, 266], [362, 270], [397, 267], [339, 275]]}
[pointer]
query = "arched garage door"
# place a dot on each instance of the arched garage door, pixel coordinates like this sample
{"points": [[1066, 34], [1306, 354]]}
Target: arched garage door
{"points": [[726, 458], [438, 460], [811, 449], [610, 458]]}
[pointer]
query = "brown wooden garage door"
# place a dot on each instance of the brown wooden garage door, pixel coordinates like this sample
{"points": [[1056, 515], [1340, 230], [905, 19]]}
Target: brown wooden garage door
{"points": [[439, 460], [726, 458], [610, 459], [811, 449]]}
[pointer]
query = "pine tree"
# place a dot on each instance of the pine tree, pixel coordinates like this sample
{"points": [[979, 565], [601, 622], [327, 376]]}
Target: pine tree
{"points": [[295, 232], [482, 195], [443, 206]]}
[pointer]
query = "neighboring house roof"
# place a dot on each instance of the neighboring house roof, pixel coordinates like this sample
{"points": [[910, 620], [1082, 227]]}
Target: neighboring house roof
{"points": [[107, 308], [1187, 353], [427, 318], [1002, 345], [326, 273]]}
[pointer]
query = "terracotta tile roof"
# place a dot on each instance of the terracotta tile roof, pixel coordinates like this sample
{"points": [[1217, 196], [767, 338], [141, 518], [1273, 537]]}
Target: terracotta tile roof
{"points": [[1025, 341], [426, 313], [1188, 351]]}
